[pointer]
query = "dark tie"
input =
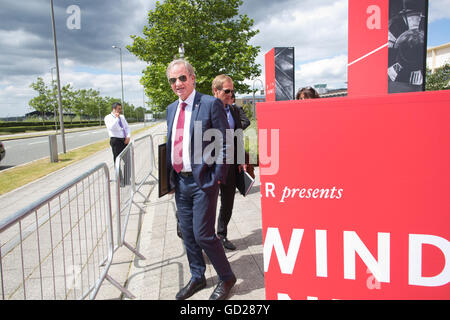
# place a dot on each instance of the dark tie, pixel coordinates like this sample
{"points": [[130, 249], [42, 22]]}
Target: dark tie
{"points": [[123, 129], [178, 142]]}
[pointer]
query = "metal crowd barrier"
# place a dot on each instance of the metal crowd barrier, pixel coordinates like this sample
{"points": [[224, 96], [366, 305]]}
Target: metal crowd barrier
{"points": [[125, 190], [145, 162], [133, 170], [60, 247]]}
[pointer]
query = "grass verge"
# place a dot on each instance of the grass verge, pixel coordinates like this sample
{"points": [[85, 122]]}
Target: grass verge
{"points": [[251, 142]]}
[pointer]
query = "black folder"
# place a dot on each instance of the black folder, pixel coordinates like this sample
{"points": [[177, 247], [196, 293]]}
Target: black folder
{"points": [[244, 182], [163, 178]]}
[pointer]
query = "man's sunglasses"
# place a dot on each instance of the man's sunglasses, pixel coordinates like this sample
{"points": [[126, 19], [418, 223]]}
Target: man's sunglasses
{"points": [[182, 78], [227, 91]]}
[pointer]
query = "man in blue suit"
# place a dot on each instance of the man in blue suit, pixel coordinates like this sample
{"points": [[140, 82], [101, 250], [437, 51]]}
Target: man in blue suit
{"points": [[195, 174]]}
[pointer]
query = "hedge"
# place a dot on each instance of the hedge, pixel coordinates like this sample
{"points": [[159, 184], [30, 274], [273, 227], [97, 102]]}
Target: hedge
{"points": [[46, 123], [43, 128]]}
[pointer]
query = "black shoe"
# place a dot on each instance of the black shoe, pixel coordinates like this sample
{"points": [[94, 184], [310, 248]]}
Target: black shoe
{"points": [[179, 231], [227, 244], [178, 226], [223, 289], [191, 288]]}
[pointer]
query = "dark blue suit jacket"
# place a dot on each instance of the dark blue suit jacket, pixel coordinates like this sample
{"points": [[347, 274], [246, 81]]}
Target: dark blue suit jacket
{"points": [[207, 112]]}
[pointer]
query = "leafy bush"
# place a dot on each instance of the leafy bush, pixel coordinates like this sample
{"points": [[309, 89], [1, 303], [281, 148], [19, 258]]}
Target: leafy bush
{"points": [[248, 109]]}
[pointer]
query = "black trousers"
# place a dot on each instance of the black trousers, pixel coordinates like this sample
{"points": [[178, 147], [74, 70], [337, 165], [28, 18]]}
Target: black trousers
{"points": [[117, 145], [227, 192]]}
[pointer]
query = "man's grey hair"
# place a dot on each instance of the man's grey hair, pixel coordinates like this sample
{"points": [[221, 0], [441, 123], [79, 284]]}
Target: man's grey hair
{"points": [[189, 67]]}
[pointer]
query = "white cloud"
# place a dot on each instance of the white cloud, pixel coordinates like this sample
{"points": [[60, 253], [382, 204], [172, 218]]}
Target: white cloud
{"points": [[315, 32], [15, 91], [438, 9], [14, 95], [17, 38], [332, 71], [108, 84], [318, 32]]}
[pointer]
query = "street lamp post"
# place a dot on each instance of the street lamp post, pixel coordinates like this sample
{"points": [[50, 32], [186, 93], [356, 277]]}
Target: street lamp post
{"points": [[99, 112], [253, 89], [54, 95], [181, 51], [121, 75], [61, 119], [143, 102]]}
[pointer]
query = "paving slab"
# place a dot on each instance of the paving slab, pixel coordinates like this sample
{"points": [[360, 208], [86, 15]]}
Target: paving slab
{"points": [[166, 269]]}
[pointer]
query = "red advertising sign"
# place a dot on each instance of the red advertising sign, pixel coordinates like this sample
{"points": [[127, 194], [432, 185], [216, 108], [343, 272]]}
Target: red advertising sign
{"points": [[270, 75], [280, 75], [367, 47], [355, 197]]}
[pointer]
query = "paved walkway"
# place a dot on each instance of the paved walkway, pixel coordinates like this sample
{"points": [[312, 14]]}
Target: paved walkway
{"points": [[165, 270]]}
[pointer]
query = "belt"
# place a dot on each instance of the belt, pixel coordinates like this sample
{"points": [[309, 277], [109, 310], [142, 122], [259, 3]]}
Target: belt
{"points": [[186, 174]]}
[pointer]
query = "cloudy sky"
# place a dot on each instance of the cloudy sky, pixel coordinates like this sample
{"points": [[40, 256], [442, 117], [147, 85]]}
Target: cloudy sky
{"points": [[316, 28]]}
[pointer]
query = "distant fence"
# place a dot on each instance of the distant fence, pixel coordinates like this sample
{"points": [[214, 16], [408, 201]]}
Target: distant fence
{"points": [[62, 246]]}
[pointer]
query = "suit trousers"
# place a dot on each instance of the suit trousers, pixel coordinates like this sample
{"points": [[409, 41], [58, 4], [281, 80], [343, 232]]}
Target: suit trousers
{"points": [[197, 215], [227, 193]]}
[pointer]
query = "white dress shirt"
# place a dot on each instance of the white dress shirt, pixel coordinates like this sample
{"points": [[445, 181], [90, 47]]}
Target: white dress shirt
{"points": [[114, 129], [186, 132]]}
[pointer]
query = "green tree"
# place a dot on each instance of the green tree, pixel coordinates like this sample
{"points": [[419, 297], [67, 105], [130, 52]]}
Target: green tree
{"points": [[105, 106], [67, 95], [85, 103], [140, 113], [43, 102], [79, 102], [67, 99], [439, 79], [92, 103], [215, 39]]}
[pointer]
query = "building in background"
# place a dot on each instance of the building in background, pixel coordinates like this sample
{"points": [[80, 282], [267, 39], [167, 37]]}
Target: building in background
{"points": [[248, 100], [325, 92], [332, 93], [438, 56]]}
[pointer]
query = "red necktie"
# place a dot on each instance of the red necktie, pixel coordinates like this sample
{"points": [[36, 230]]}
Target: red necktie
{"points": [[178, 142]]}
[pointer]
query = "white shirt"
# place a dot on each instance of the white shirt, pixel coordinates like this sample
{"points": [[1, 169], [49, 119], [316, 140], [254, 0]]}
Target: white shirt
{"points": [[114, 129], [186, 132]]}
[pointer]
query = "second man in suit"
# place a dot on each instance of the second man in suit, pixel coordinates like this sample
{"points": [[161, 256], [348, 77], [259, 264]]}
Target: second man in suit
{"points": [[223, 89]]}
